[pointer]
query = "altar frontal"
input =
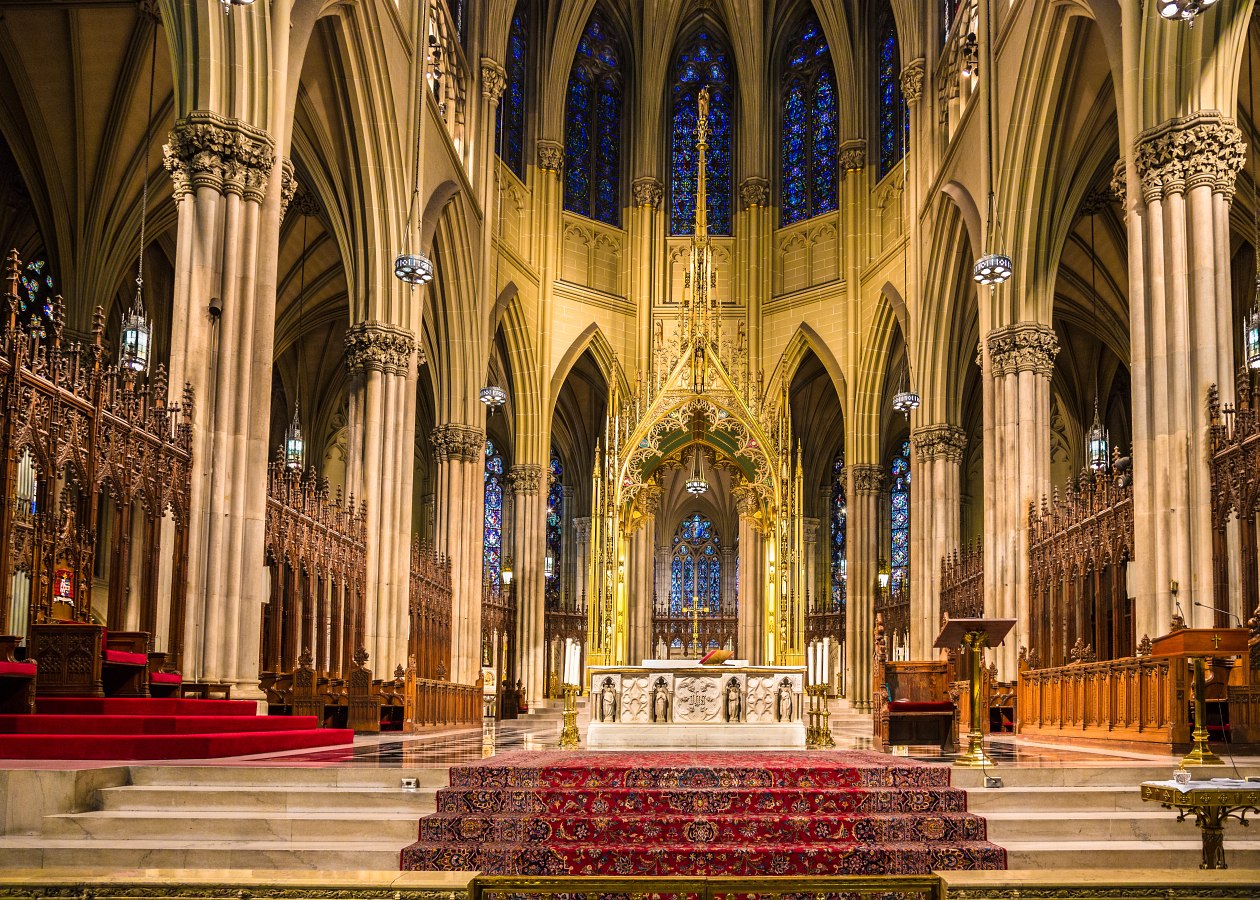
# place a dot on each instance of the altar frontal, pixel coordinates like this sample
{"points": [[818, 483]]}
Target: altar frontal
{"points": [[682, 704]]}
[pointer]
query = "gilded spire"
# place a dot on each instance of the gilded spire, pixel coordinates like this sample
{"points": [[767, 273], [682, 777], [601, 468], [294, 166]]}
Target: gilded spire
{"points": [[699, 320]]}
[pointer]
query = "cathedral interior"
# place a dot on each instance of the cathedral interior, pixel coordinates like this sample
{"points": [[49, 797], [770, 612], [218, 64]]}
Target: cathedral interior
{"points": [[561, 407]]}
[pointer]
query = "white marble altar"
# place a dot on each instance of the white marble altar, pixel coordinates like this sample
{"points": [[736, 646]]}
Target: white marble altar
{"points": [[680, 704]]}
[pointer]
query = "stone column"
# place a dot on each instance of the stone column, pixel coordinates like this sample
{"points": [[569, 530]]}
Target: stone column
{"points": [[640, 576], [664, 558], [752, 578], [224, 190], [529, 529], [380, 359], [566, 569], [459, 451], [935, 522], [865, 486], [753, 255], [812, 600], [729, 600], [1018, 361], [646, 236], [582, 542], [1183, 339]]}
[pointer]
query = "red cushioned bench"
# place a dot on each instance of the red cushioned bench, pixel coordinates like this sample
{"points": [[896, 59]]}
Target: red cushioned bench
{"points": [[17, 679], [77, 659], [911, 699], [163, 682]]}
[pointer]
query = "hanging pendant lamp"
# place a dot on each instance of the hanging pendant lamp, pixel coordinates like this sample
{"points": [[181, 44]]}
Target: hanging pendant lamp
{"points": [[1184, 10], [137, 332], [696, 484]]}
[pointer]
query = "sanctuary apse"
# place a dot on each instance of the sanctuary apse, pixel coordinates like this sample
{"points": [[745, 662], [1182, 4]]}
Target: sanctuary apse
{"points": [[360, 358]]}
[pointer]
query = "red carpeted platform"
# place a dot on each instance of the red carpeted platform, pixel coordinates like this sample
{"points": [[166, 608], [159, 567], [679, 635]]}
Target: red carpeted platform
{"points": [[701, 814], [132, 728]]}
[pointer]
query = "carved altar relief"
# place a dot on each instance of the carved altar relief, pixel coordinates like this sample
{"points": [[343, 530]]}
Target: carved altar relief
{"points": [[636, 699], [697, 699]]}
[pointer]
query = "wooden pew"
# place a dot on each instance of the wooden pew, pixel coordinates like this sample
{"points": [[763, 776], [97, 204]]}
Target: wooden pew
{"points": [[17, 679], [82, 660], [163, 680], [912, 703]]}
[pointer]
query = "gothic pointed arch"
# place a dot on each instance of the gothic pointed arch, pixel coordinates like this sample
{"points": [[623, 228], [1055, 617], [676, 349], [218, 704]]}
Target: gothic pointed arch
{"points": [[594, 117], [809, 132], [701, 60]]}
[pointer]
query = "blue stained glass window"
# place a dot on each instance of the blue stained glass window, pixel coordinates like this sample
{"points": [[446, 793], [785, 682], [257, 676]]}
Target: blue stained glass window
{"points": [[35, 297], [555, 529], [592, 132], [509, 135], [839, 521], [809, 142], [899, 495], [893, 124], [695, 572], [703, 62], [492, 553]]}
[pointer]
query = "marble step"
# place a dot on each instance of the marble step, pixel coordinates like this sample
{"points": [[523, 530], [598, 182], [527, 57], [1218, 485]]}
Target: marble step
{"points": [[44, 852], [246, 778], [1033, 801], [1073, 777], [1077, 825], [263, 798], [398, 825], [1154, 854]]}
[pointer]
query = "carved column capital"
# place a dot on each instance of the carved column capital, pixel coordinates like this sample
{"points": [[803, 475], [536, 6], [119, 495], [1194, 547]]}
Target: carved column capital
{"points": [[1023, 347], [288, 185], [650, 499], [1204, 149], [746, 500], [582, 529], [754, 191], [912, 80], [867, 479], [453, 442], [647, 191], [376, 346], [1120, 182], [205, 149], [853, 156], [810, 525], [550, 156], [525, 478], [939, 442], [493, 79]]}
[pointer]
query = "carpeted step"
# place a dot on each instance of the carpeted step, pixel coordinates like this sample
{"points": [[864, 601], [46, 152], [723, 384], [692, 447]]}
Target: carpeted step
{"points": [[729, 802], [741, 860], [143, 706], [651, 830], [153, 724], [166, 746]]}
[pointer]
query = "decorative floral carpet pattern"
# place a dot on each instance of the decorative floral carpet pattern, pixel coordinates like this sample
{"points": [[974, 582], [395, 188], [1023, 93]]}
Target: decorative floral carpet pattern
{"points": [[701, 814]]}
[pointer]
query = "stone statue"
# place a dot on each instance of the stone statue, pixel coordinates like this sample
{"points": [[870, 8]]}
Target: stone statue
{"points": [[607, 702], [660, 702], [785, 703], [734, 704]]}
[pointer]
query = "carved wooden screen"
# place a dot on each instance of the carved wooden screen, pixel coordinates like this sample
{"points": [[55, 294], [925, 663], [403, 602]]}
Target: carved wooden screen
{"points": [[79, 436], [429, 645], [1078, 545], [962, 582], [1235, 465]]}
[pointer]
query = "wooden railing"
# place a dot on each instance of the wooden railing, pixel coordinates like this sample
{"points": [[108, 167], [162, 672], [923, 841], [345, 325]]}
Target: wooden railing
{"points": [[962, 582], [1078, 544], [429, 697], [442, 703]]}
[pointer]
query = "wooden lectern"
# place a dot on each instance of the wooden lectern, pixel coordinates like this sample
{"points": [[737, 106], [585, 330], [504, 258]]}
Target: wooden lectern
{"points": [[974, 635], [1196, 645]]}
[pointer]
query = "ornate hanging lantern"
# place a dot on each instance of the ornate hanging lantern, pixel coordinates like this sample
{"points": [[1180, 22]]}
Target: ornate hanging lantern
{"points": [[696, 484], [992, 268], [493, 397], [905, 400], [1098, 444], [1183, 10], [294, 445], [413, 269], [133, 354], [228, 4]]}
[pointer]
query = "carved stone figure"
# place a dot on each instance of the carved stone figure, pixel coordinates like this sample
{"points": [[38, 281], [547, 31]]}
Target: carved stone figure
{"points": [[607, 702], [734, 703], [660, 701], [785, 701]]}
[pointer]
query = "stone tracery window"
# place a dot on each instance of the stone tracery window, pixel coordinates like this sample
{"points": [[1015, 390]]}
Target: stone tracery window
{"points": [[592, 134], [492, 541], [695, 570], [891, 106], [35, 297], [899, 499], [809, 136], [509, 135], [555, 531], [702, 62], [839, 521]]}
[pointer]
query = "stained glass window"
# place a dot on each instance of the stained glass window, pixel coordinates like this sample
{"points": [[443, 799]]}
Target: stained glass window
{"points": [[702, 62], [809, 149], [492, 555], [839, 519], [695, 572], [459, 10], [592, 131], [35, 297], [555, 531], [893, 124], [899, 496], [509, 135]]}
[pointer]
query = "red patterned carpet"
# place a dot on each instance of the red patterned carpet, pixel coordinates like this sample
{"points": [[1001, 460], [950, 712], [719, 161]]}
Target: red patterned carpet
{"points": [[701, 814]]}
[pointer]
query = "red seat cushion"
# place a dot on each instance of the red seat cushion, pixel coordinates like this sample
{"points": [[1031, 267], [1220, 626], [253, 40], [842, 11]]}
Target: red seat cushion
{"points": [[25, 669], [166, 678], [122, 657], [921, 706]]}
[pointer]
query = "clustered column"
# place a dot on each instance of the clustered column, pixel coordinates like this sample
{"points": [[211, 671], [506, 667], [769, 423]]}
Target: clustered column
{"points": [[752, 576], [641, 573], [1182, 335], [1018, 361], [646, 234], [935, 499], [865, 485], [221, 169], [381, 422], [459, 451], [529, 529]]}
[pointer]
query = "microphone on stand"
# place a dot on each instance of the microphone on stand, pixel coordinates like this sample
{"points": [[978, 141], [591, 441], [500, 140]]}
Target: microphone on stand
{"points": [[1219, 610]]}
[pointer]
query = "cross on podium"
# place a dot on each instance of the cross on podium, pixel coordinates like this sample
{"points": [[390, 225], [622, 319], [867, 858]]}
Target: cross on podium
{"points": [[1193, 644]]}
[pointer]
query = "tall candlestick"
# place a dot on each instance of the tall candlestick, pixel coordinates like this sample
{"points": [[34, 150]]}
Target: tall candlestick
{"points": [[810, 656]]}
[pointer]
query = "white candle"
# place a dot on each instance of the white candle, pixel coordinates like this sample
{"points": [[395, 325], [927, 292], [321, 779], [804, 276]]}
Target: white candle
{"points": [[826, 656], [809, 654], [568, 662]]}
